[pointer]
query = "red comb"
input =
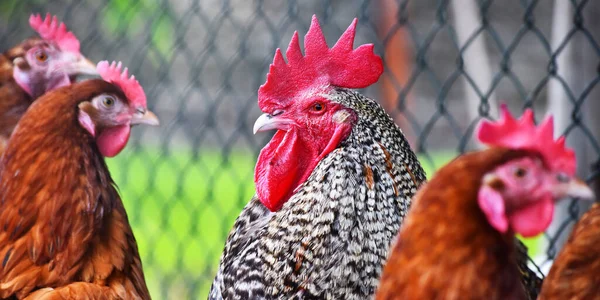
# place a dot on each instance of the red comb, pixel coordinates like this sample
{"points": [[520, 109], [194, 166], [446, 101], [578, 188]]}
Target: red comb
{"points": [[339, 66], [53, 31], [523, 134], [130, 86]]}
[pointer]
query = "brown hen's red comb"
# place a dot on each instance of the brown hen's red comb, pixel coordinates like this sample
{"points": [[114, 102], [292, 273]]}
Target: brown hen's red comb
{"points": [[130, 86], [339, 66], [53, 31], [523, 134]]}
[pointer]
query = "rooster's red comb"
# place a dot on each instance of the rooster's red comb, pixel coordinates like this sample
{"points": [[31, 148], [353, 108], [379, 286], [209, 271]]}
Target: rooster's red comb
{"points": [[523, 134], [130, 86], [53, 31], [340, 66]]}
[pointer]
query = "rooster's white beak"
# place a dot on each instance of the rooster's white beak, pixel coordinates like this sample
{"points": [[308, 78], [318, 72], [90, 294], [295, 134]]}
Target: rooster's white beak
{"points": [[271, 121]]}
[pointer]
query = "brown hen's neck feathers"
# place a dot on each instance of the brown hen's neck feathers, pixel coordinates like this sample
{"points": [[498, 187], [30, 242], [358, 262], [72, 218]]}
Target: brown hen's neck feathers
{"points": [[447, 233], [575, 272], [52, 155], [50, 137]]}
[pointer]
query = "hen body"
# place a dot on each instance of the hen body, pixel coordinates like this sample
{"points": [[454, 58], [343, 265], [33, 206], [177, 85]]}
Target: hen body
{"points": [[64, 230], [446, 248], [575, 273], [329, 241]]}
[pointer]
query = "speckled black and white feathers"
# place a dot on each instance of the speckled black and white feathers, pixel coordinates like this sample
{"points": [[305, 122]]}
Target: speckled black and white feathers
{"points": [[331, 239], [530, 279]]}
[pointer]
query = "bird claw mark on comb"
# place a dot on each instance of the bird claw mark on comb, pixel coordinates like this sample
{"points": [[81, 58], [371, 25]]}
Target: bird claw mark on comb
{"points": [[53, 31], [130, 86], [340, 66], [522, 133]]}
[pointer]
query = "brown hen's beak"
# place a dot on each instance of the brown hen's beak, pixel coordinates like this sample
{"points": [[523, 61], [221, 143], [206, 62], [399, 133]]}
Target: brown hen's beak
{"points": [[84, 66], [575, 187], [271, 121], [76, 64], [144, 117]]}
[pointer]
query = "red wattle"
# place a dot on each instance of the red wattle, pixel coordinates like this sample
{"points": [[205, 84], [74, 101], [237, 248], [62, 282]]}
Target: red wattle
{"points": [[282, 165], [533, 219], [112, 140]]}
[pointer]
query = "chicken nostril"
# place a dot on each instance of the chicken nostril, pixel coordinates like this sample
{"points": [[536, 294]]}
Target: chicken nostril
{"points": [[276, 113]]}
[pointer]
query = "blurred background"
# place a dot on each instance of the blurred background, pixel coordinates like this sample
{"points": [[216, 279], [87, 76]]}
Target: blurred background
{"points": [[448, 64]]}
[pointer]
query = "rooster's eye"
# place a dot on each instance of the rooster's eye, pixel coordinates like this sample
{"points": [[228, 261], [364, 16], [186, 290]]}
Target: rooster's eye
{"points": [[317, 107], [41, 56], [108, 101]]}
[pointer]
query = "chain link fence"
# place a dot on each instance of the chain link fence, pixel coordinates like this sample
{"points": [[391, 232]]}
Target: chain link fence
{"points": [[448, 63]]}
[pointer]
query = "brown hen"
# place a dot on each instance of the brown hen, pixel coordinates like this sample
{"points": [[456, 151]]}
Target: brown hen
{"points": [[64, 233], [458, 240]]}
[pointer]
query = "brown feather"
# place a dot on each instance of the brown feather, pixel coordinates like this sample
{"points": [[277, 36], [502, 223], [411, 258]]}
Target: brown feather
{"points": [[61, 217], [446, 248], [575, 273]]}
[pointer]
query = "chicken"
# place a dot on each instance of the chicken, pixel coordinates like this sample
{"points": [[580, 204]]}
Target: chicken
{"points": [[332, 185], [36, 66], [64, 232], [458, 241], [575, 273]]}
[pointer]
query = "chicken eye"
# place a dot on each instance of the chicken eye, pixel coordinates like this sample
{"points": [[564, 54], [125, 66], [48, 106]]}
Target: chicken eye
{"points": [[108, 102], [562, 177], [520, 172], [318, 107], [41, 56]]}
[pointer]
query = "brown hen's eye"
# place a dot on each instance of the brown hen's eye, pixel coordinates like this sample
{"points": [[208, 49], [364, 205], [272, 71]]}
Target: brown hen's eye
{"points": [[317, 107], [562, 177], [41, 56], [108, 101], [520, 172]]}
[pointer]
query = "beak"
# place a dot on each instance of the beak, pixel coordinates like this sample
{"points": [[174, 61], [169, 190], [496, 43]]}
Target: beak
{"points": [[145, 117], [575, 187], [84, 66], [269, 122], [77, 64]]}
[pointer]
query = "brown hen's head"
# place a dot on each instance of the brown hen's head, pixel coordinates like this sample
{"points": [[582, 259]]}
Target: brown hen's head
{"points": [[296, 100], [520, 194], [108, 117], [52, 62]]}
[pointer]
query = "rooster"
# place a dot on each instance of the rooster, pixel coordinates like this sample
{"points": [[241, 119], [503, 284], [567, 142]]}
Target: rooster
{"points": [[458, 241], [36, 66], [332, 185], [64, 232]]}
